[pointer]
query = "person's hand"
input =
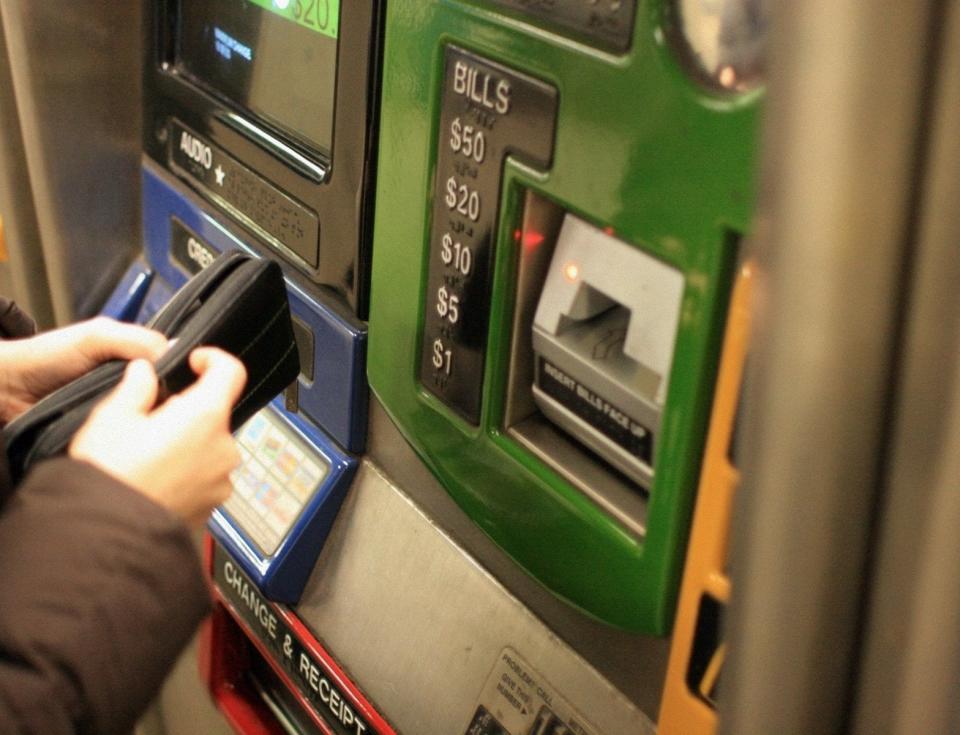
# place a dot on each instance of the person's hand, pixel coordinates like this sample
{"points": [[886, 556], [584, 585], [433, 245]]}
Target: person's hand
{"points": [[31, 368], [179, 454]]}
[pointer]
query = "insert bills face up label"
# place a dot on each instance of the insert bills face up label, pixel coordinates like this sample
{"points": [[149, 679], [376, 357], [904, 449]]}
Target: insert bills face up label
{"points": [[602, 415]]}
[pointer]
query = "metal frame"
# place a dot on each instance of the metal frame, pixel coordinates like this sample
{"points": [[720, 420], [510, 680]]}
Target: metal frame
{"points": [[22, 275], [848, 92], [910, 661], [80, 123]]}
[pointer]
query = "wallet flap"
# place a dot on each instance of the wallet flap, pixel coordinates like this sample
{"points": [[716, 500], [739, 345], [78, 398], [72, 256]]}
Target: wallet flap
{"points": [[235, 318], [195, 292]]}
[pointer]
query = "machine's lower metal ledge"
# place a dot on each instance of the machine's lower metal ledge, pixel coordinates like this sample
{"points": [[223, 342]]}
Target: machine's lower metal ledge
{"points": [[435, 642]]}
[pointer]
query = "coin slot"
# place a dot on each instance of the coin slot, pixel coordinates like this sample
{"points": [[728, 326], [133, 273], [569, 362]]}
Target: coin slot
{"points": [[244, 683], [278, 698]]}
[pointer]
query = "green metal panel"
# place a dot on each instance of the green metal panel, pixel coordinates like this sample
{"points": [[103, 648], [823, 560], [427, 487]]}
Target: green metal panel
{"points": [[642, 150]]}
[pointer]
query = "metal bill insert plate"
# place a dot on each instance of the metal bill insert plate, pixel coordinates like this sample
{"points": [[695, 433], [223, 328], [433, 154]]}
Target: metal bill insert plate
{"points": [[603, 336]]}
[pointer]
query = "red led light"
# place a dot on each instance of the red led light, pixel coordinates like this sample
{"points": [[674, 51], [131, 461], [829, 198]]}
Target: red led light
{"points": [[532, 239]]}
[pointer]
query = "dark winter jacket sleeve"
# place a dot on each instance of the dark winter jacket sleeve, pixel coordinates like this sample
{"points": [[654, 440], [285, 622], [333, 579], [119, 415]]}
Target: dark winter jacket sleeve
{"points": [[14, 322], [100, 589]]}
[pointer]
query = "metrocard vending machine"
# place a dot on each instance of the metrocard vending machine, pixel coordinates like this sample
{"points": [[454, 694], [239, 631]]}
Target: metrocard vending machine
{"points": [[510, 232], [235, 158]]}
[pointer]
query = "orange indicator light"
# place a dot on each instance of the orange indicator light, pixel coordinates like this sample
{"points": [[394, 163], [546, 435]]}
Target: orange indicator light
{"points": [[571, 271]]}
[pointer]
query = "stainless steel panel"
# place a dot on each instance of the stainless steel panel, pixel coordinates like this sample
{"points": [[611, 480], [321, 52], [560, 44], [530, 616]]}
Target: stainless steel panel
{"points": [[23, 276], [418, 620], [846, 93], [80, 124], [910, 668], [419, 624], [635, 664]]}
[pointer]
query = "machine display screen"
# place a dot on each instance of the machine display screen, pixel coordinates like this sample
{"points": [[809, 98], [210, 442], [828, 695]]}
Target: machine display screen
{"points": [[276, 58], [277, 477]]}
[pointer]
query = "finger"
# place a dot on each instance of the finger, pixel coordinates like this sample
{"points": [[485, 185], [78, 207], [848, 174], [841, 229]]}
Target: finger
{"points": [[219, 372], [136, 392], [213, 394], [233, 457], [215, 496], [105, 339]]}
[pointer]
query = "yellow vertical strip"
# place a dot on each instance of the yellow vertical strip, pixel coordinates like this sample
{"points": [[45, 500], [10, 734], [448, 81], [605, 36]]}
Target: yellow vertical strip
{"points": [[683, 711]]}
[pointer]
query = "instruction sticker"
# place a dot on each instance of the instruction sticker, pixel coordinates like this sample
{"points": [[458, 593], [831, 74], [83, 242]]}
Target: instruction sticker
{"points": [[518, 700]]}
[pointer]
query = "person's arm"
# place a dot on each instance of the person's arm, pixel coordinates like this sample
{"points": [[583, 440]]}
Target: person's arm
{"points": [[14, 322], [101, 584], [101, 589]]}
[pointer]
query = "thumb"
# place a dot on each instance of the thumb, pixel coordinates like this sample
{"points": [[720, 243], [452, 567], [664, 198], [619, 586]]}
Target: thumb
{"points": [[220, 376], [137, 391]]}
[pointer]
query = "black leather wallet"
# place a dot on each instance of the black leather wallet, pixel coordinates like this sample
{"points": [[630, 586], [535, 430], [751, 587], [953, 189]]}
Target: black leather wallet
{"points": [[237, 303]]}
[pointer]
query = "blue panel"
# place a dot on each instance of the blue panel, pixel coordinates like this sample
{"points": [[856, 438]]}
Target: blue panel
{"points": [[158, 294], [125, 301], [337, 397], [283, 574]]}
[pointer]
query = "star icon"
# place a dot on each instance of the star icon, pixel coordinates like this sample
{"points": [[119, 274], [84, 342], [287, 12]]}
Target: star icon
{"points": [[219, 173]]}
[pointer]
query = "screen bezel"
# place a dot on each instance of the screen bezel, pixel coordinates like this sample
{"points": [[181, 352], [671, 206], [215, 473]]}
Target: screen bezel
{"points": [[342, 197], [315, 150]]}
